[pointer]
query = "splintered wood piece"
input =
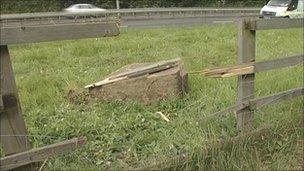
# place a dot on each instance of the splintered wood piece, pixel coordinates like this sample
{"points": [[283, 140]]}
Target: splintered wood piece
{"points": [[229, 71], [163, 116], [137, 72], [40, 154], [222, 70], [239, 71], [105, 82], [252, 67]]}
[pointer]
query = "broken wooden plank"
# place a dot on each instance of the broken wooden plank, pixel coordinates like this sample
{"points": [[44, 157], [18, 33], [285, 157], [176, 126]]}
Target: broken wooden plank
{"points": [[223, 70], [105, 82], [44, 33], [137, 72], [40, 154], [239, 71], [253, 67], [275, 23], [159, 66], [229, 71]]}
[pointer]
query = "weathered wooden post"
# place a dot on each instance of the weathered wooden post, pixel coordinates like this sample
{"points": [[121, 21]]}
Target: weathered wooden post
{"points": [[12, 122], [246, 45]]}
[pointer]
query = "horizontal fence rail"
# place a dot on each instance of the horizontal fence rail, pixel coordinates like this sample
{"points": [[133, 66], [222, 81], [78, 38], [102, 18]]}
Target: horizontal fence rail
{"points": [[41, 27], [259, 102], [40, 154], [279, 63], [275, 23], [43, 33]]}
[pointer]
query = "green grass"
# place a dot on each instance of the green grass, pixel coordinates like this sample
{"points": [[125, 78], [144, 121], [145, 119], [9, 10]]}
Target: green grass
{"points": [[128, 135]]}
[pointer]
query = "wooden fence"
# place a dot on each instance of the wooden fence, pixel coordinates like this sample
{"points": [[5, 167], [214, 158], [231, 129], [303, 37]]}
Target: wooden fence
{"points": [[14, 136], [247, 68]]}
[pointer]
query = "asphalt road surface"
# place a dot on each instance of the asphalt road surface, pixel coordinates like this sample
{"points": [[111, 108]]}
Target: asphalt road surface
{"points": [[178, 22], [140, 23]]}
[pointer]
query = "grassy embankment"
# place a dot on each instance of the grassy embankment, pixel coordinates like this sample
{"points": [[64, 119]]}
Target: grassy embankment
{"points": [[129, 135]]}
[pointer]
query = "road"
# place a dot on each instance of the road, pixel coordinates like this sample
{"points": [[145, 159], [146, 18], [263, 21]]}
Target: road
{"points": [[139, 23], [134, 18], [178, 22]]}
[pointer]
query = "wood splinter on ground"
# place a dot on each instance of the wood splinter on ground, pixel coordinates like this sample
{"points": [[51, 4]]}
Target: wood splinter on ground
{"points": [[143, 82], [163, 116]]}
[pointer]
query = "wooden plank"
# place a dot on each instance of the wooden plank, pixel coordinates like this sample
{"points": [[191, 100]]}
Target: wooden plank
{"points": [[278, 63], [253, 67], [153, 68], [258, 102], [11, 119], [275, 98], [229, 110], [105, 82], [275, 23], [40, 154], [246, 44], [229, 71], [159, 66], [43, 33]]}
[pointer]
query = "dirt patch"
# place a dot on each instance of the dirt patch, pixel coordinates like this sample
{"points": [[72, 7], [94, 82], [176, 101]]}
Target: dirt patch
{"points": [[77, 96], [144, 82]]}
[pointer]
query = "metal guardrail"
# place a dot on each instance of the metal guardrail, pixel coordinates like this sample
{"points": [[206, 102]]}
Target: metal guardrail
{"points": [[57, 18], [161, 12]]}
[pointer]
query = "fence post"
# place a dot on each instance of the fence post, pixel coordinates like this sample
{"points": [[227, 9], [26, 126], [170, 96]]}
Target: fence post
{"points": [[246, 45], [13, 129], [11, 120]]}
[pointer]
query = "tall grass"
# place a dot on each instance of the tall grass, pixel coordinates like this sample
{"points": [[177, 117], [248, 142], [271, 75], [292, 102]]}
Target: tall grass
{"points": [[128, 135]]}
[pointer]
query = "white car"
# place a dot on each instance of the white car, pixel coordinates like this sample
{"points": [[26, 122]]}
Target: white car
{"points": [[283, 8], [83, 8]]}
